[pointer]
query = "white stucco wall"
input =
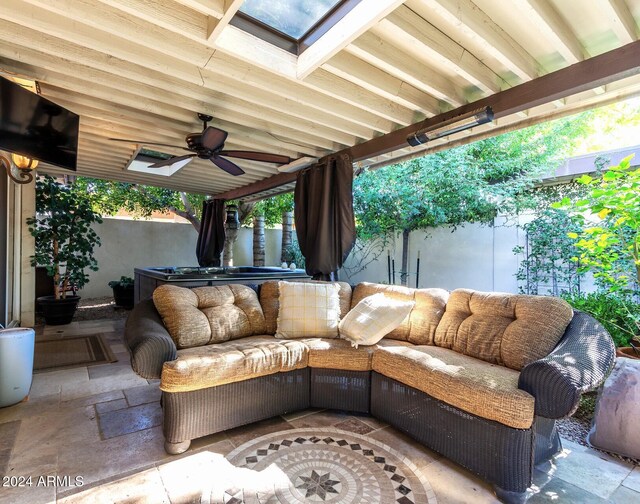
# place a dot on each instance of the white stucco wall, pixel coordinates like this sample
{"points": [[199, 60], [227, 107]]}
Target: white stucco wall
{"points": [[127, 244], [474, 256]]}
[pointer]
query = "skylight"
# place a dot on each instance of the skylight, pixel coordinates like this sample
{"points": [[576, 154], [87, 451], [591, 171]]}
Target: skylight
{"points": [[294, 18]]}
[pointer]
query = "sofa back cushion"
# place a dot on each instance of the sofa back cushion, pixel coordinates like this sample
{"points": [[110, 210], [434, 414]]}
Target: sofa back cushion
{"points": [[204, 315], [420, 326], [270, 295], [508, 329]]}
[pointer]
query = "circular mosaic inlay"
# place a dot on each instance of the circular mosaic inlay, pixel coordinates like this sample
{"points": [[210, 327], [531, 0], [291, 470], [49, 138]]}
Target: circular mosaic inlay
{"points": [[323, 465]]}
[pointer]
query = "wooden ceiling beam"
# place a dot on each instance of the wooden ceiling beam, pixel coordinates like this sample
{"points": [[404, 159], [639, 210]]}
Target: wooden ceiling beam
{"points": [[357, 21], [257, 187], [369, 77], [217, 25], [213, 8], [468, 18], [222, 75], [78, 77], [601, 70], [404, 24], [585, 75], [91, 22], [167, 14], [553, 26], [385, 56], [623, 23], [305, 93]]}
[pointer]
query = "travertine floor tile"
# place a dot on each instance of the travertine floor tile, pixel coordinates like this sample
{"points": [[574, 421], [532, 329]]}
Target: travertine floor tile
{"points": [[560, 492], [143, 394], [102, 460], [454, 485], [590, 470], [633, 480], [124, 421], [243, 434], [323, 418], [144, 488]]}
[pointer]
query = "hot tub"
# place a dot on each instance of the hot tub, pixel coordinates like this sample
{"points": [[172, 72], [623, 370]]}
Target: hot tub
{"points": [[147, 279]]}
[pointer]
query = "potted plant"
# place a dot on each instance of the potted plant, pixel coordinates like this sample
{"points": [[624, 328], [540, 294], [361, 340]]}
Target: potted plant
{"points": [[64, 243], [123, 292]]}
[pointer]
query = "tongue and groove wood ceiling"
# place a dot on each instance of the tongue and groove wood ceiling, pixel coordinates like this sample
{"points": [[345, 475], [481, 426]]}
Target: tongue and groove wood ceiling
{"points": [[142, 69]]}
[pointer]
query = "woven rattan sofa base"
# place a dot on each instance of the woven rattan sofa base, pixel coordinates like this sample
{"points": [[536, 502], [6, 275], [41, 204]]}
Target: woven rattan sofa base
{"points": [[340, 390], [499, 454], [190, 415]]}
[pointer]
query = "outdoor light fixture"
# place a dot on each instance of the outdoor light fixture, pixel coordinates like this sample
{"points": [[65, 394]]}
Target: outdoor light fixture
{"points": [[22, 166], [453, 125]]}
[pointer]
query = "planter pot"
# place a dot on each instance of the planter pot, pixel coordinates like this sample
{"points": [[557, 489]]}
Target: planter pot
{"points": [[123, 296], [58, 311], [629, 352]]}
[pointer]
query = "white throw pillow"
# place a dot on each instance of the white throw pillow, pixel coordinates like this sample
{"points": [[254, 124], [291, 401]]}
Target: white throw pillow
{"points": [[308, 310], [373, 318]]}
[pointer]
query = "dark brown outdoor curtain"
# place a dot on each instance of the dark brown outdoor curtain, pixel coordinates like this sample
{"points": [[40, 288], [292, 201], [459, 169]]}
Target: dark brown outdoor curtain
{"points": [[211, 236], [324, 216]]}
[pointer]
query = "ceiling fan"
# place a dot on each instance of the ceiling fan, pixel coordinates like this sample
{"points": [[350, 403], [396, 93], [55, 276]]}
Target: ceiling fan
{"points": [[209, 144]]}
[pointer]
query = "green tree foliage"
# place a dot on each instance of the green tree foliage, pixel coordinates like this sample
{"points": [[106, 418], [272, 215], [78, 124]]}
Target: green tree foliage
{"points": [[109, 197], [269, 208], [63, 234], [609, 242], [470, 183], [549, 254]]}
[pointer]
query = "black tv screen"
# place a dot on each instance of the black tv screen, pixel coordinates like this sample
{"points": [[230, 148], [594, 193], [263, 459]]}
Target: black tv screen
{"points": [[36, 127]]}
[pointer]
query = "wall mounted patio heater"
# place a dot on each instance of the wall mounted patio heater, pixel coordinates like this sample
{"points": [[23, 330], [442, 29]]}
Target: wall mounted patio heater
{"points": [[451, 126]]}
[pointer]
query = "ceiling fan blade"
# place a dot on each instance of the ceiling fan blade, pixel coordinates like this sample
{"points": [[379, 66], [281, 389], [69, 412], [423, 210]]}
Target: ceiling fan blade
{"points": [[212, 138], [147, 143], [171, 160], [263, 157], [226, 165]]}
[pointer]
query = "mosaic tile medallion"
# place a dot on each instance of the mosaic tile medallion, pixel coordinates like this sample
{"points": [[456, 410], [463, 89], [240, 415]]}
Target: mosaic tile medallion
{"points": [[321, 465]]}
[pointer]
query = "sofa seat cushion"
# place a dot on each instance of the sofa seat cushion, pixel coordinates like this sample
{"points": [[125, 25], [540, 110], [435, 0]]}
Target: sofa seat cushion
{"points": [[233, 361], [330, 353], [469, 384], [205, 315], [340, 354], [509, 329]]}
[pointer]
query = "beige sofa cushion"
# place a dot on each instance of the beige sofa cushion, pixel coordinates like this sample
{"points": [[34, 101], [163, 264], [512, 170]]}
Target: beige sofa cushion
{"points": [[486, 390], [269, 300], [339, 354], [420, 327], [508, 329], [233, 361], [206, 315]]}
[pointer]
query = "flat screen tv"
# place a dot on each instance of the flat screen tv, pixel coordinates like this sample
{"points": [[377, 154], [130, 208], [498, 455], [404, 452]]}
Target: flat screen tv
{"points": [[36, 127]]}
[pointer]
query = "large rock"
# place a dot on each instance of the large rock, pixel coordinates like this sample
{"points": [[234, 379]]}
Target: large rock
{"points": [[615, 425]]}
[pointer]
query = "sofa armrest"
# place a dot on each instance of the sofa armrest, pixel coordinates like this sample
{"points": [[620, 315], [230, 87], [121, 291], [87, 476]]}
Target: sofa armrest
{"points": [[580, 362], [148, 339]]}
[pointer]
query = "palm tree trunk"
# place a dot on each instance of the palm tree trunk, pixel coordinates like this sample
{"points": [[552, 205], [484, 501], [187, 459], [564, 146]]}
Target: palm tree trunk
{"points": [[258, 241], [287, 235]]}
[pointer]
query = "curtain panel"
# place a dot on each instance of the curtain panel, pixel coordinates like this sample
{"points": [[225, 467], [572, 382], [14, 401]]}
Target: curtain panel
{"points": [[212, 234], [324, 218]]}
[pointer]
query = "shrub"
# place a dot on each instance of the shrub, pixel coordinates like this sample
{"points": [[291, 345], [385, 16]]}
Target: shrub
{"points": [[619, 314]]}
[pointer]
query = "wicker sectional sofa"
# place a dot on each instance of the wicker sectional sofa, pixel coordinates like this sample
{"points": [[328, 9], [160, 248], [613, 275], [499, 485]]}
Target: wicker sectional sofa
{"points": [[478, 377]]}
